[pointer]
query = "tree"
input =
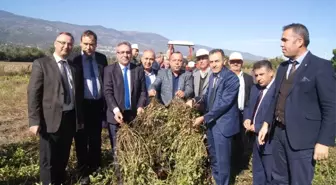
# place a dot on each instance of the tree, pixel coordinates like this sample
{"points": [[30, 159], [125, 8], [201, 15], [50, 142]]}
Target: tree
{"points": [[333, 59], [276, 61], [76, 50]]}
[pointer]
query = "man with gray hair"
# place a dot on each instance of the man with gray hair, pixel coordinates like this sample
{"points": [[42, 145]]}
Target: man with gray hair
{"points": [[125, 94], [303, 110], [158, 63]]}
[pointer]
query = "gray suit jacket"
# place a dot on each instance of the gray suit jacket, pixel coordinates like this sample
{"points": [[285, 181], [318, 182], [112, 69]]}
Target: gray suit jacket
{"points": [[163, 85], [197, 78], [46, 95]]}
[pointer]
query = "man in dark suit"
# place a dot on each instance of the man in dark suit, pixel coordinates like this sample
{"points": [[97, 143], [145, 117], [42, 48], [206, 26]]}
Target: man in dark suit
{"points": [[125, 91], [88, 140], [254, 115], [303, 110], [242, 142], [54, 108], [221, 117], [173, 82]]}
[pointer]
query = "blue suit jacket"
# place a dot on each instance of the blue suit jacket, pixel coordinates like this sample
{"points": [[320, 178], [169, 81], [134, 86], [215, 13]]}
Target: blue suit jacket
{"points": [[224, 113], [260, 114], [310, 106]]}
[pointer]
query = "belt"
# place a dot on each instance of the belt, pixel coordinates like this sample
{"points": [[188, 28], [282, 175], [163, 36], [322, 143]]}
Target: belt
{"points": [[92, 101]]}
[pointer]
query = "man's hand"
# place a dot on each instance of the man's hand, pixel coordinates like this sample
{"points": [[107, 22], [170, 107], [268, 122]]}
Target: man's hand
{"points": [[35, 129], [140, 110], [119, 118], [262, 133], [321, 152], [198, 121], [190, 103], [179, 94], [247, 124], [252, 128], [152, 93]]}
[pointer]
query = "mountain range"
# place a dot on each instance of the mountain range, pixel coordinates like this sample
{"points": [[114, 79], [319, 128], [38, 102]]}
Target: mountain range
{"points": [[22, 30]]}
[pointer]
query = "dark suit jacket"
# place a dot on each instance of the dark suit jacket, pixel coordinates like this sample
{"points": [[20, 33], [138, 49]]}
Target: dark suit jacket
{"points": [[310, 105], [248, 79], [114, 89], [46, 95], [261, 113], [224, 114], [102, 63]]}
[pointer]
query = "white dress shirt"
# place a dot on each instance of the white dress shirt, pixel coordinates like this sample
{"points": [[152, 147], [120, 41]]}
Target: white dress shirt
{"points": [[70, 80], [115, 110], [150, 78], [205, 73], [241, 94]]}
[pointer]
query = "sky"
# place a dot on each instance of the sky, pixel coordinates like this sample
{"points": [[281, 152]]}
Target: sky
{"points": [[253, 26]]}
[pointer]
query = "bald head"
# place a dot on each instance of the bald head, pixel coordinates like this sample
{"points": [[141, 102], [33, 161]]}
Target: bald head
{"points": [[147, 59]]}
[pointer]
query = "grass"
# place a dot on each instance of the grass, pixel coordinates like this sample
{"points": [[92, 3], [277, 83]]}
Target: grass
{"points": [[19, 150], [14, 68]]}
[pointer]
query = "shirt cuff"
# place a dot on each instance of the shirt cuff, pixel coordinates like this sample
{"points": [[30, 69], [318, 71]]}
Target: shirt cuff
{"points": [[115, 110]]}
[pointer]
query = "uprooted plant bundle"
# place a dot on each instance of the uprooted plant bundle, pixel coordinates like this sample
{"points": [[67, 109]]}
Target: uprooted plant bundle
{"points": [[161, 147]]}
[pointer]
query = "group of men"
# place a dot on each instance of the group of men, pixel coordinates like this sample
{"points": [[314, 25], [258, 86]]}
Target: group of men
{"points": [[289, 113]]}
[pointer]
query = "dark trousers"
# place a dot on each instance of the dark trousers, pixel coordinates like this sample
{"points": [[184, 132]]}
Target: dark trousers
{"points": [[242, 147], [291, 166], [219, 148], [261, 167], [88, 140], [55, 150]]}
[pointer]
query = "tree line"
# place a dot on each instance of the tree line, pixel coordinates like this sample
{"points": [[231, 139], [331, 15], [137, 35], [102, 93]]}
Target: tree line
{"points": [[16, 53]]}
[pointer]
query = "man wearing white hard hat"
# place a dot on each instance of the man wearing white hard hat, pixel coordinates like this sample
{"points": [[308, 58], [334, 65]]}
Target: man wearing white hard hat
{"points": [[201, 76], [135, 54], [242, 142]]}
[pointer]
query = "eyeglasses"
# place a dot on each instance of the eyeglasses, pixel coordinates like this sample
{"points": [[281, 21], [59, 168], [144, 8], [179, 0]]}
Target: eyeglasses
{"points": [[65, 43], [123, 52]]}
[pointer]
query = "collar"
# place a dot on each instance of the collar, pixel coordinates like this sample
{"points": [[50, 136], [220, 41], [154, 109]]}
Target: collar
{"points": [[203, 74], [268, 86], [300, 59], [85, 56], [241, 74], [122, 66], [150, 73], [179, 74], [58, 58]]}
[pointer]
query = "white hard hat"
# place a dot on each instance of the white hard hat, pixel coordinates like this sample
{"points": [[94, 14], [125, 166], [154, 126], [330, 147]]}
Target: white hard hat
{"points": [[135, 46], [202, 52], [236, 56]]}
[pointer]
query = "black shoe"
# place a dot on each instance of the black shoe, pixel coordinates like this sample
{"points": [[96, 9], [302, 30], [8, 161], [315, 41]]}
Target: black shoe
{"points": [[84, 181]]}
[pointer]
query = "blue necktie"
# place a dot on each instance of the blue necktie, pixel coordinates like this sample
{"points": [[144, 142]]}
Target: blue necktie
{"points": [[127, 98], [93, 78]]}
